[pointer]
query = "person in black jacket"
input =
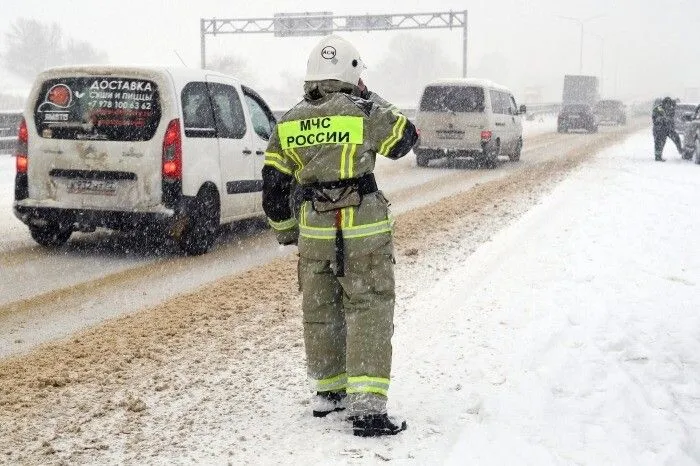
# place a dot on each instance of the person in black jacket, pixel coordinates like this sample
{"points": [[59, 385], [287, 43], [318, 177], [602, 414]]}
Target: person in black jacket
{"points": [[663, 119]]}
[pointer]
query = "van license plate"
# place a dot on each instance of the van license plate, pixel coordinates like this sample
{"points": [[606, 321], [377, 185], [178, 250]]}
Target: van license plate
{"points": [[101, 187], [449, 134]]}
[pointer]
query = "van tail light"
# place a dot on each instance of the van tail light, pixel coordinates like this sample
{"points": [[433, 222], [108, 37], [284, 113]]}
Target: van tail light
{"points": [[486, 136], [21, 159], [172, 151]]}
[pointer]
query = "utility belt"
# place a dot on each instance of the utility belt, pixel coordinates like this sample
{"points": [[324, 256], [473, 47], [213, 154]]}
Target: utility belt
{"points": [[336, 195]]}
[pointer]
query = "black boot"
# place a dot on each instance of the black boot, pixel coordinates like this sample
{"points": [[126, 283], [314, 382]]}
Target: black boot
{"points": [[375, 425], [325, 403], [659, 159]]}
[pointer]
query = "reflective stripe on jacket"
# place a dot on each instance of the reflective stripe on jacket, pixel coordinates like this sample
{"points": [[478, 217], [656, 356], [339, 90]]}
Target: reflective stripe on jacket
{"points": [[334, 135]]}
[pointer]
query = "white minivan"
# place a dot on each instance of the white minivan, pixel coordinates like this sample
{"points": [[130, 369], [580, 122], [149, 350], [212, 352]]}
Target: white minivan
{"points": [[136, 148], [468, 118]]}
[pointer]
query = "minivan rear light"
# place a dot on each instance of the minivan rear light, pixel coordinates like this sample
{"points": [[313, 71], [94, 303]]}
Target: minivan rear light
{"points": [[172, 151], [486, 136], [21, 159]]}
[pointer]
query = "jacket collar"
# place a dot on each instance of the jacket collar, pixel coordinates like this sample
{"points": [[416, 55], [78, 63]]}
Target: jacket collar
{"points": [[317, 90]]}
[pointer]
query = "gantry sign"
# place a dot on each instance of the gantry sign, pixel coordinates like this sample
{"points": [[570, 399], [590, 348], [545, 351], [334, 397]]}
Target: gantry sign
{"points": [[323, 23]]}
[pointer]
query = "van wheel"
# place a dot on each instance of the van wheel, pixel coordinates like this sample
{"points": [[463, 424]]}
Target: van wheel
{"points": [[51, 235], [422, 158], [202, 224], [518, 150], [491, 156]]}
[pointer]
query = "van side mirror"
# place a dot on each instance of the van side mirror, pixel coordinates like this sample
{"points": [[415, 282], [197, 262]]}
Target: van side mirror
{"points": [[523, 110]]}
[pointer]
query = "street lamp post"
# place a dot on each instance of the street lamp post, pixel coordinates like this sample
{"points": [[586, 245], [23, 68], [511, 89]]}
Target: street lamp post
{"points": [[581, 22]]}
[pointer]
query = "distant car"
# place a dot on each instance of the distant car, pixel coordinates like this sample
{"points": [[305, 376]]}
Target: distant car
{"points": [[681, 109], [691, 135], [610, 112], [577, 116], [9, 127]]}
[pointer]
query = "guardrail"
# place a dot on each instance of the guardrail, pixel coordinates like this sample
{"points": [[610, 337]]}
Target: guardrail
{"points": [[538, 110]]}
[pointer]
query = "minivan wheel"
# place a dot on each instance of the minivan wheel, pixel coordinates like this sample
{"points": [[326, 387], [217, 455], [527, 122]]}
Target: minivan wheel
{"points": [[515, 156], [51, 235], [202, 224], [492, 153], [422, 158]]}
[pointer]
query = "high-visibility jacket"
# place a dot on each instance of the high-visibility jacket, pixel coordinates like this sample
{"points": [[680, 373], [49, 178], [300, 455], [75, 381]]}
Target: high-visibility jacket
{"points": [[333, 134]]}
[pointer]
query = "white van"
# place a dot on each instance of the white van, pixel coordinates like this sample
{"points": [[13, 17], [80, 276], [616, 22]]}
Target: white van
{"points": [[127, 148], [468, 118]]}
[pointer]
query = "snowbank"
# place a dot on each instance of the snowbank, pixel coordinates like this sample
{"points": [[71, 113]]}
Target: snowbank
{"points": [[574, 336]]}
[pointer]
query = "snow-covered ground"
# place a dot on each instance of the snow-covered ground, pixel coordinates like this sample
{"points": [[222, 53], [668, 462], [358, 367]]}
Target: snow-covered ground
{"points": [[540, 125], [573, 337]]}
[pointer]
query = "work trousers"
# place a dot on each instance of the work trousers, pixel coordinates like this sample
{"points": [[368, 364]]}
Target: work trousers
{"points": [[660, 135], [348, 323]]}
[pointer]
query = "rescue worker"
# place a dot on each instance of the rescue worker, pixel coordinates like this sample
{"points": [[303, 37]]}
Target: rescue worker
{"points": [[325, 148], [663, 119]]}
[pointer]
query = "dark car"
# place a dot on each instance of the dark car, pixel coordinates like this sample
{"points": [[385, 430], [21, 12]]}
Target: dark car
{"points": [[680, 123], [610, 112], [577, 116], [9, 126], [691, 134]]}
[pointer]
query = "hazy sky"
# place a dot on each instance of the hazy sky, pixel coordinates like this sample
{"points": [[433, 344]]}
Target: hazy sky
{"points": [[644, 47]]}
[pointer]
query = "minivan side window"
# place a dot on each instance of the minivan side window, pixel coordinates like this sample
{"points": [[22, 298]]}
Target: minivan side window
{"points": [[197, 113], [513, 105], [228, 111], [498, 103], [260, 114]]}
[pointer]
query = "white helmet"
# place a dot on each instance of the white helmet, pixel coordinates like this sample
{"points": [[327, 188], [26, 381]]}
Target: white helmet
{"points": [[334, 58]]}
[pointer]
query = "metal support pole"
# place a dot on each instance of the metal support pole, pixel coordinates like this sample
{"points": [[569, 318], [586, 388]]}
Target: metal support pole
{"points": [[580, 59], [464, 46], [602, 64], [203, 51]]}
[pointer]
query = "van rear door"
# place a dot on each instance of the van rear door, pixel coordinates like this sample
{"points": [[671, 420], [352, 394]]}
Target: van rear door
{"points": [[95, 143]]}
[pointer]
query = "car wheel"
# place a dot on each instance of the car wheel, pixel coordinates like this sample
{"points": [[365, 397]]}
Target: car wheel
{"points": [[562, 129], [687, 153], [491, 154], [422, 158], [202, 224], [518, 150], [51, 235]]}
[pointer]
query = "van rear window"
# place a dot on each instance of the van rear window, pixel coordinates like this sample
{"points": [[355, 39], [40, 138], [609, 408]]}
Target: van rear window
{"points": [[98, 108], [452, 98]]}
